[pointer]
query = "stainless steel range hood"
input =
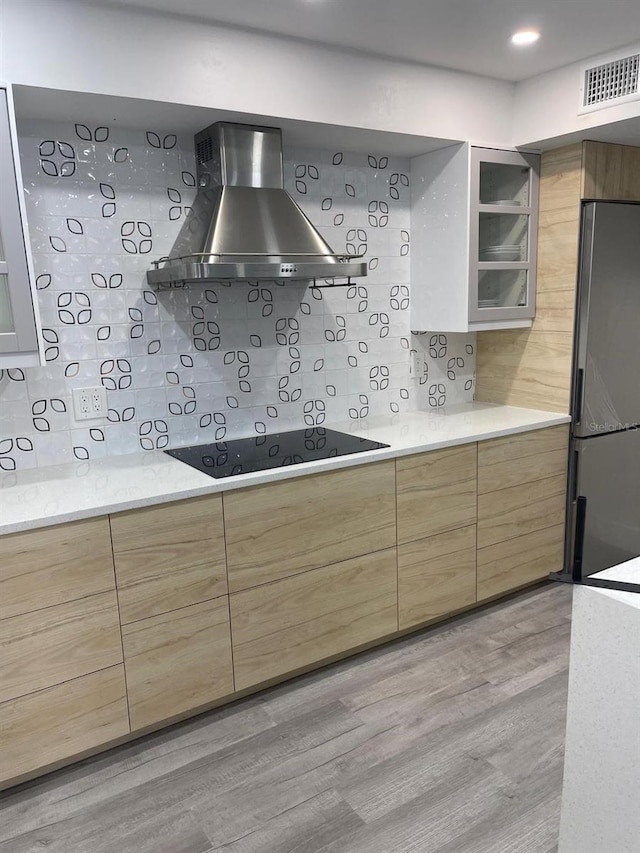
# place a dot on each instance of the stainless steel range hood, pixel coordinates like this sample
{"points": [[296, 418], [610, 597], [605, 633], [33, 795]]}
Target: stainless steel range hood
{"points": [[243, 224]]}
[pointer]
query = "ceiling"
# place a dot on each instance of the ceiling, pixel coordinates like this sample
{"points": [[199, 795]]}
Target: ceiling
{"points": [[467, 35]]}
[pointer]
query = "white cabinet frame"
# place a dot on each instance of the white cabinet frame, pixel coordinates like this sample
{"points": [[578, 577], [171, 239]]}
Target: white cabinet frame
{"points": [[22, 345], [445, 231]]}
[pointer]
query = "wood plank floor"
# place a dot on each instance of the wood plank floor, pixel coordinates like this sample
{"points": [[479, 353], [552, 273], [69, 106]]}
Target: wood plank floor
{"points": [[449, 741]]}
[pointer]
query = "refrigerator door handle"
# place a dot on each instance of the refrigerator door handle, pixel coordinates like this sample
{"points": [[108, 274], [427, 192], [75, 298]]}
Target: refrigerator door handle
{"points": [[578, 396], [573, 476], [578, 543]]}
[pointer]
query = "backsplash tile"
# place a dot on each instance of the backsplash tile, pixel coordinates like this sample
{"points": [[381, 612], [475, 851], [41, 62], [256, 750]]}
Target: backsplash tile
{"points": [[224, 360]]}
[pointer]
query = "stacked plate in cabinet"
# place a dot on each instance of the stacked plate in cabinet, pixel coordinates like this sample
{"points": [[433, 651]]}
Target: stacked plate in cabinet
{"points": [[501, 253]]}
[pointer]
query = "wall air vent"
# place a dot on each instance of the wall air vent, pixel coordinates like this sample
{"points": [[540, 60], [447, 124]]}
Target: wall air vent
{"points": [[204, 149], [610, 83]]}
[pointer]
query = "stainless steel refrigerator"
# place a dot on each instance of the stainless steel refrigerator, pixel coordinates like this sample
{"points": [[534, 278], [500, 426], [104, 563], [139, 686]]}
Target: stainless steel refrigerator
{"points": [[604, 462]]}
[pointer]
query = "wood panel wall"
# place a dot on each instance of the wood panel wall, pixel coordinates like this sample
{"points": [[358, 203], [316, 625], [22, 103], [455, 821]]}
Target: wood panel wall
{"points": [[532, 367]]}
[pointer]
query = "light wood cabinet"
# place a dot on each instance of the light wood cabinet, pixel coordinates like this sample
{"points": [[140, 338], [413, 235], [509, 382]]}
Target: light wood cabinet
{"points": [[318, 566], [280, 529], [512, 512], [53, 724], [53, 565], [291, 623], [515, 562], [522, 458], [521, 508], [436, 492], [169, 556], [611, 172], [58, 643], [436, 576], [177, 661]]}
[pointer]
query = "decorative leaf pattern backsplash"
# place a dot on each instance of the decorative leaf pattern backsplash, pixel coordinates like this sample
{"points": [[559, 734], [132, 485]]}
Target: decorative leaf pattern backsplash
{"points": [[206, 363]]}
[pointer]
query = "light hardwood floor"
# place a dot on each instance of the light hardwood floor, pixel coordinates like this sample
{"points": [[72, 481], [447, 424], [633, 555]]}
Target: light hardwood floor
{"points": [[449, 741]]}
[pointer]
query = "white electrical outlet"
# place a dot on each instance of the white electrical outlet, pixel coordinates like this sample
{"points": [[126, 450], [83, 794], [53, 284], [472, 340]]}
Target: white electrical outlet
{"points": [[89, 403], [415, 364]]}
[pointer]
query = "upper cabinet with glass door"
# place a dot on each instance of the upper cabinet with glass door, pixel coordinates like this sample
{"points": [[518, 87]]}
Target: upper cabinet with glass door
{"points": [[474, 226], [19, 344]]}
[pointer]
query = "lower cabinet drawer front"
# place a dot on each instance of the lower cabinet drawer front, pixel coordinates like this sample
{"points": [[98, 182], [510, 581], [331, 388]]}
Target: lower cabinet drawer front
{"points": [[436, 491], [519, 510], [519, 561], [436, 575], [39, 568], [58, 643], [62, 721], [281, 529], [169, 556], [522, 458], [290, 623], [177, 661]]}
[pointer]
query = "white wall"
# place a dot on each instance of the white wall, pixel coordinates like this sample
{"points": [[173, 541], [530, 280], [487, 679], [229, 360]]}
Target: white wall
{"points": [[62, 44], [546, 107], [74, 46]]}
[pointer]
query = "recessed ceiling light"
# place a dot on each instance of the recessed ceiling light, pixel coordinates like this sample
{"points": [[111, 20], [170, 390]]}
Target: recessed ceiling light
{"points": [[524, 37]]}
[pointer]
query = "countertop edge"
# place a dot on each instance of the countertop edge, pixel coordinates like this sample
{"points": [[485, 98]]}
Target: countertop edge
{"points": [[204, 485]]}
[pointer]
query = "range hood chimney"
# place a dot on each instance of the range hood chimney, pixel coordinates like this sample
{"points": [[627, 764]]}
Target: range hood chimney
{"points": [[243, 224]]}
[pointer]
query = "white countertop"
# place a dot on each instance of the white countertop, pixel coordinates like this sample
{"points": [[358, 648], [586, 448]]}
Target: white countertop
{"points": [[602, 748], [628, 572], [59, 493]]}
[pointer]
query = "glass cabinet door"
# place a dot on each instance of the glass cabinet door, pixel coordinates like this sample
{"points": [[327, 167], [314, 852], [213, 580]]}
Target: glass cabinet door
{"points": [[6, 315], [504, 194], [18, 336]]}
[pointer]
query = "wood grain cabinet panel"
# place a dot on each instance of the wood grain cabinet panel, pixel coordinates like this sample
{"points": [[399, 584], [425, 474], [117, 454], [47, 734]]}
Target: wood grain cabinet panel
{"points": [[509, 513], [169, 556], [436, 575], [528, 367], [436, 492], [523, 458], [68, 719], [58, 643], [177, 661], [291, 623], [280, 529], [40, 568], [516, 562], [611, 171]]}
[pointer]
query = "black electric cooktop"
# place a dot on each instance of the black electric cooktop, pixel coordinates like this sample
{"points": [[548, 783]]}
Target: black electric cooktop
{"points": [[244, 455]]}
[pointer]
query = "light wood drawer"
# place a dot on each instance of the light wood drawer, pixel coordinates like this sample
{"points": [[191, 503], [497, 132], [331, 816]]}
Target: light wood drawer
{"points": [[282, 626], [169, 556], [62, 721], [518, 510], [280, 529], [57, 643], [52, 565], [436, 492], [508, 565], [177, 661], [523, 458], [436, 575]]}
